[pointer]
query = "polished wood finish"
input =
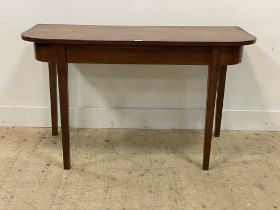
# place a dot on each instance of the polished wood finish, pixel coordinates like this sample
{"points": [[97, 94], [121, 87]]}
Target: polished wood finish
{"points": [[220, 99], [139, 35], [62, 72], [210, 104], [141, 54], [216, 47], [53, 96]]}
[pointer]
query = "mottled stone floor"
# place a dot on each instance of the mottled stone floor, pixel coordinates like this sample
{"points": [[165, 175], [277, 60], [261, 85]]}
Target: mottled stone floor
{"points": [[138, 169]]}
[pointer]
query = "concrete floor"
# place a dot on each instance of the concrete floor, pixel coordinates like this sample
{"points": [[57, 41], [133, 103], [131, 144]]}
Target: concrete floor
{"points": [[138, 169]]}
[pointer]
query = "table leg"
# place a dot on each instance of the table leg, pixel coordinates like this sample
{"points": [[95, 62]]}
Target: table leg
{"points": [[220, 99], [210, 105], [53, 96], [62, 71]]}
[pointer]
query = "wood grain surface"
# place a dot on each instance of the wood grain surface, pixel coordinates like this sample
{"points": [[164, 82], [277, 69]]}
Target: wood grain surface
{"points": [[139, 35], [214, 46]]}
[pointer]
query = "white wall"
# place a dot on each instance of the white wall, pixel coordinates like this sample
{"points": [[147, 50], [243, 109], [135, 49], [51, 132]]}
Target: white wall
{"points": [[141, 95]]}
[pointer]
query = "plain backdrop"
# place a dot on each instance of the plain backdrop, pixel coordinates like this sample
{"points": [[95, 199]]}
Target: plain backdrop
{"points": [[141, 96]]}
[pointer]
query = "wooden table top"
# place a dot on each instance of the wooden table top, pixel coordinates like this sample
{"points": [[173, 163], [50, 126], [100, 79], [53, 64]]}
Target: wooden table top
{"points": [[139, 35]]}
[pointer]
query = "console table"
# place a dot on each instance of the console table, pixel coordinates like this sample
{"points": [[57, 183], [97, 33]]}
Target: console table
{"points": [[216, 47]]}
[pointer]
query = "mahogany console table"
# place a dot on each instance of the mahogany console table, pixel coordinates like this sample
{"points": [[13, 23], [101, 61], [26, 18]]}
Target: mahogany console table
{"points": [[216, 47]]}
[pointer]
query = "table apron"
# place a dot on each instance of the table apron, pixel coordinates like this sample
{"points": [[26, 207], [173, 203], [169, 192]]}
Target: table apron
{"points": [[119, 54]]}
